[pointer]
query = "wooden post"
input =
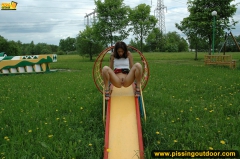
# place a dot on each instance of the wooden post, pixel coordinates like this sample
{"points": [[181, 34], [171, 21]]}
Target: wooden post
{"points": [[224, 50], [235, 40]]}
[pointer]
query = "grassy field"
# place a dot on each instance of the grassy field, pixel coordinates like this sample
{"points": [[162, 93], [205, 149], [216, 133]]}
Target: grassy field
{"points": [[189, 106]]}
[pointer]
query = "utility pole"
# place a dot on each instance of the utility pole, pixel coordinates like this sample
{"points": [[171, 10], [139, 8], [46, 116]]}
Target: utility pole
{"points": [[160, 15], [88, 16]]}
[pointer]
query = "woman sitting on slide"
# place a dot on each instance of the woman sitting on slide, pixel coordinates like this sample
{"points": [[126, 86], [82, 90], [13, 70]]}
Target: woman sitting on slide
{"points": [[121, 71]]}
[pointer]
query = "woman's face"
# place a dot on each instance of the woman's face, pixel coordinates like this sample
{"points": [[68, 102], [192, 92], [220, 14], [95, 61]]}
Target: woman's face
{"points": [[120, 52]]}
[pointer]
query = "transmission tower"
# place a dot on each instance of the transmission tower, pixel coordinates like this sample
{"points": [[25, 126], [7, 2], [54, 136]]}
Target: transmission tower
{"points": [[160, 15], [88, 16]]}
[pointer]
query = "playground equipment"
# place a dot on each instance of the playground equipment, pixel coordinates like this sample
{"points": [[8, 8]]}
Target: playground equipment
{"points": [[25, 64], [227, 36], [222, 60], [122, 113]]}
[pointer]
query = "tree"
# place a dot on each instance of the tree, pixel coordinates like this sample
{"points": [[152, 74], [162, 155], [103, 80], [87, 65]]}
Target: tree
{"points": [[182, 45], [142, 22], [87, 43], [19, 43], [199, 23], [174, 43], [31, 48], [42, 48], [54, 48], [134, 43], [13, 49], [112, 21], [197, 44], [67, 44], [231, 46], [3, 44], [155, 40]]}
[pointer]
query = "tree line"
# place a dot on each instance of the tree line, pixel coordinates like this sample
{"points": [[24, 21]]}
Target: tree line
{"points": [[115, 22], [173, 43], [13, 48], [202, 26]]}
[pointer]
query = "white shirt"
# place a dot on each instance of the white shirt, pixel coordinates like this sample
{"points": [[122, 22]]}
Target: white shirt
{"points": [[121, 63]]}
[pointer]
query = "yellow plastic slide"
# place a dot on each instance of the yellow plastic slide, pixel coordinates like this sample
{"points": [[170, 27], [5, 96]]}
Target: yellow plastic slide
{"points": [[123, 138]]}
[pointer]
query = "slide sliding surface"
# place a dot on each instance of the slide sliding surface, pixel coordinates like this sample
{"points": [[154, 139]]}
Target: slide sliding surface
{"points": [[123, 134]]}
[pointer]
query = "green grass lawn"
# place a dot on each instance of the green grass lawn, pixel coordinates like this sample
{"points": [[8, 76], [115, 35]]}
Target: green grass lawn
{"points": [[189, 106]]}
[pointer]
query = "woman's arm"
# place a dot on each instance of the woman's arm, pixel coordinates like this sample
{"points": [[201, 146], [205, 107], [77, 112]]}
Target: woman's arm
{"points": [[111, 61], [130, 59]]}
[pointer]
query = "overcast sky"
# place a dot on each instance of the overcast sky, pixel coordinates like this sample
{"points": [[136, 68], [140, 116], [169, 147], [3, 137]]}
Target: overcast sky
{"points": [[48, 21]]}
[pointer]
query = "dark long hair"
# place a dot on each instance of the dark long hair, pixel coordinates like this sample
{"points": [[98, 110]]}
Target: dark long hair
{"points": [[121, 45]]}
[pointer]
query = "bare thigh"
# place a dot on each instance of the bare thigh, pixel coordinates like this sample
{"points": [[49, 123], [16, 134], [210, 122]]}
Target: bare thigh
{"points": [[134, 74], [129, 79], [113, 78], [116, 81]]}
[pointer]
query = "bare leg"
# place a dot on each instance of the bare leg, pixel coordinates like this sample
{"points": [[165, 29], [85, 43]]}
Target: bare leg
{"points": [[134, 74], [109, 75]]}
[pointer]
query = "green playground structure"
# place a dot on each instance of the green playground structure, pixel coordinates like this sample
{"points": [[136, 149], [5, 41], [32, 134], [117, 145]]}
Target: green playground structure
{"points": [[26, 63]]}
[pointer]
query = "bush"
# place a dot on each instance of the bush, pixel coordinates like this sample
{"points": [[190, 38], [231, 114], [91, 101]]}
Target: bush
{"points": [[60, 52]]}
